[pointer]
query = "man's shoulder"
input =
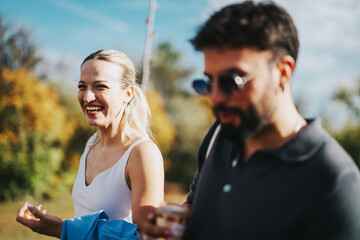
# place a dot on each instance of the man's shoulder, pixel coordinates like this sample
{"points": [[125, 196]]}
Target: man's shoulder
{"points": [[319, 152], [331, 159], [334, 156]]}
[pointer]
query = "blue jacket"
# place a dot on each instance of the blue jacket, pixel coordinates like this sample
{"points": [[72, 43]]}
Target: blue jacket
{"points": [[96, 226]]}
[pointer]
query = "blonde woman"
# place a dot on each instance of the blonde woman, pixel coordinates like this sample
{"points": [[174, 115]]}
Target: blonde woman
{"points": [[121, 169]]}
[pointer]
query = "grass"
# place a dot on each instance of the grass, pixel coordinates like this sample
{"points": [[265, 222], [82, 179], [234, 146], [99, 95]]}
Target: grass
{"points": [[62, 207], [12, 230]]}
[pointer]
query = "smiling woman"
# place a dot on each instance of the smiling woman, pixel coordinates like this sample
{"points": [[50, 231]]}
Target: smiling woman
{"points": [[121, 169], [100, 94]]}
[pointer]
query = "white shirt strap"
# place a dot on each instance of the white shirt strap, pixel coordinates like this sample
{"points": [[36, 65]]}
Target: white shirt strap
{"points": [[212, 140]]}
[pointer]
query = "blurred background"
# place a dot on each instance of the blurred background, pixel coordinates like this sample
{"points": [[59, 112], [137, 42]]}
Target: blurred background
{"points": [[43, 131]]}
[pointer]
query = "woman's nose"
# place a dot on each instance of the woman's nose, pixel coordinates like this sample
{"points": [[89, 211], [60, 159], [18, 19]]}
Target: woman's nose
{"points": [[89, 96]]}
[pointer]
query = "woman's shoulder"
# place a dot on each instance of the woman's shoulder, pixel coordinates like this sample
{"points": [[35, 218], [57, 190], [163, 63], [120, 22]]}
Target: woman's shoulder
{"points": [[145, 147], [145, 157], [145, 153]]}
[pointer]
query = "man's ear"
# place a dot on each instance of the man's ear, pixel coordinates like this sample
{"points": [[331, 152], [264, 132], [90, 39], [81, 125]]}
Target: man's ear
{"points": [[286, 66], [129, 94]]}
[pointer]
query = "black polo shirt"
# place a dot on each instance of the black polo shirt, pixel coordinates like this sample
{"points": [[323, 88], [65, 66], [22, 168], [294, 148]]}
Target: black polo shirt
{"points": [[309, 188]]}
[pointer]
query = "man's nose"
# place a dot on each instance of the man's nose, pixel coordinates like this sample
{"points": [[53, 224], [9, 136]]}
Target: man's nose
{"points": [[217, 95], [89, 96]]}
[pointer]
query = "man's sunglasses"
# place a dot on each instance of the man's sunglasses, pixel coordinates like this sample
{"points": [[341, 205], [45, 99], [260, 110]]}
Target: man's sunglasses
{"points": [[227, 82]]}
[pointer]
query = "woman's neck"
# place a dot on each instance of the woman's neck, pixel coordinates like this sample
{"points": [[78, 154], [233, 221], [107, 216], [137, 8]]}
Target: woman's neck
{"points": [[115, 137]]}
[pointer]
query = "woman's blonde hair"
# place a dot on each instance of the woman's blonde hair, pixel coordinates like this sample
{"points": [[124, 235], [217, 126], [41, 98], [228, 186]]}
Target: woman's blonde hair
{"points": [[137, 113]]}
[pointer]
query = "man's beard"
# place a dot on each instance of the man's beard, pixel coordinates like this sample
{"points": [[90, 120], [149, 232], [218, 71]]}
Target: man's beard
{"points": [[251, 122], [253, 119]]}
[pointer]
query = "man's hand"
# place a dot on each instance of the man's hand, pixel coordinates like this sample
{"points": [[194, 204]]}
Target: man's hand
{"points": [[38, 221], [149, 231]]}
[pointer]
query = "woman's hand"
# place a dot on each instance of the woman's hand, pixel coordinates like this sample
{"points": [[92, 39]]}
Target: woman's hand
{"points": [[38, 221]]}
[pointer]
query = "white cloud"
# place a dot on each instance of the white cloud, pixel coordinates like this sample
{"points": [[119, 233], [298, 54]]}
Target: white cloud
{"points": [[60, 66], [92, 15], [317, 63], [328, 24]]}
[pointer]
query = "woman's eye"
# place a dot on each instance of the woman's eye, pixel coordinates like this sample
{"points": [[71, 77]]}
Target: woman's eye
{"points": [[81, 87], [101, 86]]}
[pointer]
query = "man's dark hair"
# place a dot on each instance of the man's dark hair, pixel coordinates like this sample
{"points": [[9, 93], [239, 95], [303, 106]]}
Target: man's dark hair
{"points": [[264, 26]]}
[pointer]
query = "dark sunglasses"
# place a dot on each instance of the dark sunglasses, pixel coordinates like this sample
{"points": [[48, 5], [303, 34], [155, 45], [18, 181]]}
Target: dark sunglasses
{"points": [[227, 82]]}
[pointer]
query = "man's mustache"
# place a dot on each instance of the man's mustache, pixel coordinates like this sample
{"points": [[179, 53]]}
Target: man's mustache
{"points": [[223, 108]]}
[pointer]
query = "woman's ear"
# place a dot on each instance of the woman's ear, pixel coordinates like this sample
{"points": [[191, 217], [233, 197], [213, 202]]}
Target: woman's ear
{"points": [[286, 66], [129, 94]]}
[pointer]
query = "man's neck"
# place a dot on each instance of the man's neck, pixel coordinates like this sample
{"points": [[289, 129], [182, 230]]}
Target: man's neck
{"points": [[274, 135]]}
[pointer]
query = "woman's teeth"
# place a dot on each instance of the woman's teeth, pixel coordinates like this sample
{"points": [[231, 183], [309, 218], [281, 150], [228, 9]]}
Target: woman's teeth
{"points": [[93, 108]]}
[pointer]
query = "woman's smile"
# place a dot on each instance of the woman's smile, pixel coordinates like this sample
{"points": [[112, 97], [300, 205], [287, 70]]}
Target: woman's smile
{"points": [[93, 110]]}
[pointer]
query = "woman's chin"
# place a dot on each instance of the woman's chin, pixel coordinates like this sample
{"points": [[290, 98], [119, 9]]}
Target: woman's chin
{"points": [[94, 123]]}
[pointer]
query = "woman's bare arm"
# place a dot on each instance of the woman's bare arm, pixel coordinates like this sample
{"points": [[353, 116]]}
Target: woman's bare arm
{"points": [[145, 175]]}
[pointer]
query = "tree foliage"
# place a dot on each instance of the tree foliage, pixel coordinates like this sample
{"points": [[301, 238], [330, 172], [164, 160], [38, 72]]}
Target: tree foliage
{"points": [[42, 134], [350, 97], [349, 138], [192, 117], [349, 135], [32, 130], [189, 114], [164, 130], [15, 47], [167, 72]]}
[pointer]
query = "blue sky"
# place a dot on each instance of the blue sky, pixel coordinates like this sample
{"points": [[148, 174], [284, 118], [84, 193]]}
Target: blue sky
{"points": [[68, 30]]}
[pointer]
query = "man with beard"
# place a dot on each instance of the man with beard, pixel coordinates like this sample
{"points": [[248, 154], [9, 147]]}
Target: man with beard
{"points": [[264, 172]]}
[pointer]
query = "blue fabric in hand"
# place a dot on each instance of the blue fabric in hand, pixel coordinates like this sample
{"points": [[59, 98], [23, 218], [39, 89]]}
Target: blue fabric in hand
{"points": [[96, 226]]}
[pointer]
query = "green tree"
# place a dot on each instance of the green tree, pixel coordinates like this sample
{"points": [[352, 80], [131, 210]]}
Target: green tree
{"points": [[15, 47], [32, 131], [40, 142], [192, 117], [349, 135], [167, 72], [189, 114], [163, 128], [350, 97], [164, 131]]}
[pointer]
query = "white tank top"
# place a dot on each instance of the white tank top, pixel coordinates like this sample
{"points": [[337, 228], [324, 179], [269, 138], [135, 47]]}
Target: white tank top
{"points": [[108, 191]]}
